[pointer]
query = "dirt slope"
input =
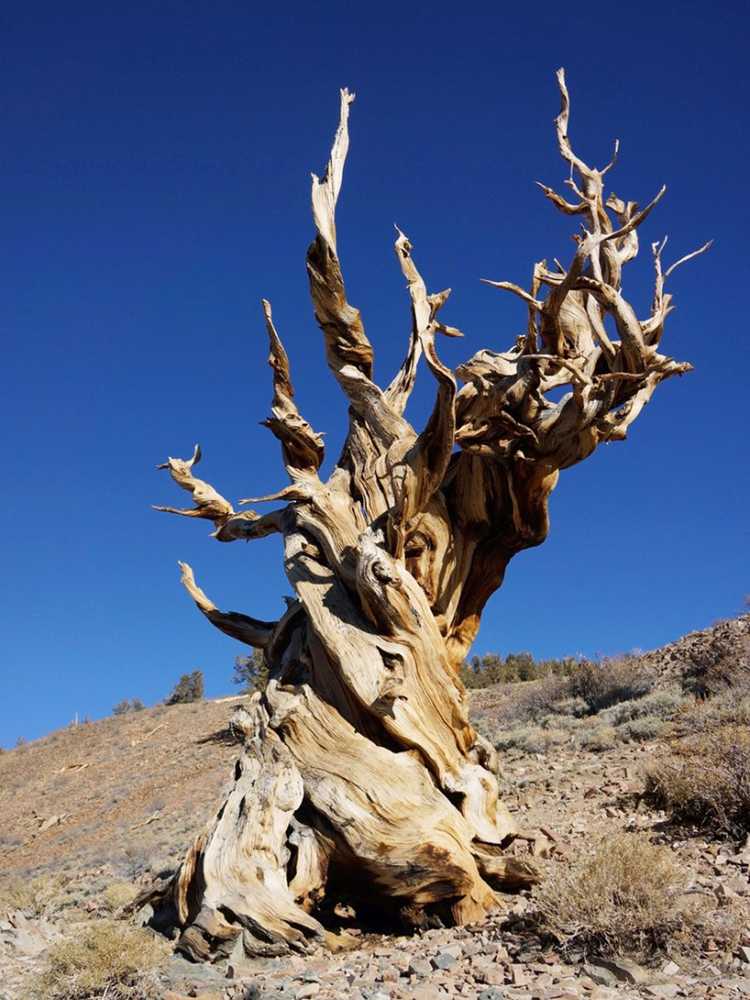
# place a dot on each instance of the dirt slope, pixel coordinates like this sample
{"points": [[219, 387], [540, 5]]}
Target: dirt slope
{"points": [[129, 791]]}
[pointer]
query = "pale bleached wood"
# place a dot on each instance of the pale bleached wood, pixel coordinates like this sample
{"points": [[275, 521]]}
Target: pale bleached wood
{"points": [[361, 779]]}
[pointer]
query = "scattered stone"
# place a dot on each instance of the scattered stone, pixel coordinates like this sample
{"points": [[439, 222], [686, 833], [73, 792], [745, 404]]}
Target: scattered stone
{"points": [[418, 967], [50, 822], [492, 976], [24, 936], [518, 975], [737, 884], [600, 975], [663, 991], [491, 994], [626, 970], [171, 995]]}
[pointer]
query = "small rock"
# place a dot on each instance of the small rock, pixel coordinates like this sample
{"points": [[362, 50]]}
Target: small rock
{"points": [[519, 975], [422, 993], [745, 953], [444, 960], [670, 968], [457, 950], [308, 990], [663, 991], [491, 994], [600, 975], [492, 976], [418, 967], [50, 822], [626, 970]]}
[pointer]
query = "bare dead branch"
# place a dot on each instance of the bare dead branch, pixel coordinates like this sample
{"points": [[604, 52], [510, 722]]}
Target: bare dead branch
{"points": [[248, 630], [687, 257], [302, 448], [509, 286], [341, 323], [208, 503]]}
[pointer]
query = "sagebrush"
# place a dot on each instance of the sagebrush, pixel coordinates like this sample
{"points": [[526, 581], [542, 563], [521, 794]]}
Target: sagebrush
{"points": [[103, 959], [705, 781], [622, 897]]}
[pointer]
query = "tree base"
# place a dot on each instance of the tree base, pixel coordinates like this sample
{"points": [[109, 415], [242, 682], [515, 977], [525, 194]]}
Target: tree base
{"points": [[318, 819]]}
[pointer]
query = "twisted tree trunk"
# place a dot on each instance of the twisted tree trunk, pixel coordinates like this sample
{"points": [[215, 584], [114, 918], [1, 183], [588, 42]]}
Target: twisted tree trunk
{"points": [[361, 779]]}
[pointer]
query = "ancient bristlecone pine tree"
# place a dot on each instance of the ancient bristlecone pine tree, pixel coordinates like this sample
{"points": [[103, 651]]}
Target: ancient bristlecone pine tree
{"points": [[361, 779]]}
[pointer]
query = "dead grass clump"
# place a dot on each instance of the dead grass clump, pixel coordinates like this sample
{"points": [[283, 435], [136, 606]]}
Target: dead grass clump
{"points": [[706, 781], [105, 958], [620, 898]]}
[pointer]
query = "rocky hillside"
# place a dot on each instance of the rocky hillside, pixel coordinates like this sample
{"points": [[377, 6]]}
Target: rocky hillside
{"points": [[706, 661], [90, 813]]}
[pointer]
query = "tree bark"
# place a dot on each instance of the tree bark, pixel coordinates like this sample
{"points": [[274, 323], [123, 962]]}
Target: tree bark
{"points": [[361, 779]]}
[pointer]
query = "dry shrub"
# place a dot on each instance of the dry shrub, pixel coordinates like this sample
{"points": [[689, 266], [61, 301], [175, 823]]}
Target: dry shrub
{"points": [[32, 896], [662, 704], [531, 699], [604, 684], [706, 781], [647, 727], [587, 689], [119, 894], [731, 708], [104, 958], [620, 898], [722, 664], [598, 739], [530, 739]]}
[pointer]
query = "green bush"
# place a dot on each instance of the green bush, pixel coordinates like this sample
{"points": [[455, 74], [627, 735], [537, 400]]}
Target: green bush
{"points": [[251, 672], [128, 705], [485, 671], [188, 688]]}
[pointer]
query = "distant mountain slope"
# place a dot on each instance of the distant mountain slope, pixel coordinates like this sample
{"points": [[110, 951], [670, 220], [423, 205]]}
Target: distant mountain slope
{"points": [[130, 790]]}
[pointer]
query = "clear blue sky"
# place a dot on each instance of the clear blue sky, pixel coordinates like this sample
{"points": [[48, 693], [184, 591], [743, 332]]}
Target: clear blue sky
{"points": [[155, 184]]}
